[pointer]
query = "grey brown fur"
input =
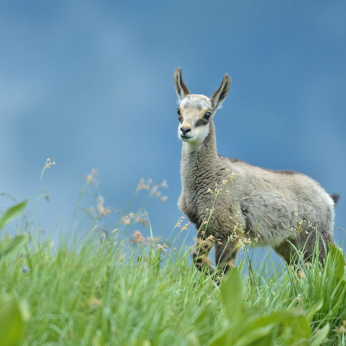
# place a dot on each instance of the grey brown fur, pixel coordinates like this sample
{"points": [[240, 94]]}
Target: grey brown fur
{"points": [[273, 208]]}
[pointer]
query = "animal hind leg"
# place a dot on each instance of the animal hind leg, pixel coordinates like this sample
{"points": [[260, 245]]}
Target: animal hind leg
{"points": [[287, 251], [290, 249], [309, 242], [306, 244]]}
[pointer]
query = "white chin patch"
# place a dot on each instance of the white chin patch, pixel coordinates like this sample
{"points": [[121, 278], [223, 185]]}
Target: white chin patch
{"points": [[197, 135], [187, 139]]}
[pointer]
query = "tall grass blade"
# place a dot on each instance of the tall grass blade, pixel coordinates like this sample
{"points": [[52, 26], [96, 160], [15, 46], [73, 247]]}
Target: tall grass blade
{"points": [[232, 293], [12, 213], [10, 247], [319, 336], [11, 321]]}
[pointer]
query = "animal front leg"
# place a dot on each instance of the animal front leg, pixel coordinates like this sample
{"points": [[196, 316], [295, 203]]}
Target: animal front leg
{"points": [[200, 255], [225, 254]]}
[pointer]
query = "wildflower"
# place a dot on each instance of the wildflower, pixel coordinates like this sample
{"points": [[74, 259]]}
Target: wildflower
{"points": [[154, 191], [301, 274], [91, 178], [219, 278], [101, 209], [186, 226], [162, 247], [25, 269], [341, 330], [143, 186], [174, 249], [126, 220], [93, 302], [142, 220], [152, 240], [206, 260], [48, 164], [164, 184], [137, 237], [164, 198], [141, 182]]}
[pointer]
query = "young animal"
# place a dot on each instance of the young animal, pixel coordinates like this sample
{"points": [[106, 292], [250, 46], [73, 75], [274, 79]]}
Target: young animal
{"points": [[231, 201]]}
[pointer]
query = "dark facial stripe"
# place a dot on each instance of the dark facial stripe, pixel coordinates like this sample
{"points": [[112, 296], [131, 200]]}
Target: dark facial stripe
{"points": [[201, 122]]}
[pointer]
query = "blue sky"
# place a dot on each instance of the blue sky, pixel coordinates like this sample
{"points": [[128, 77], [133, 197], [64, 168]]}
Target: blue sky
{"points": [[89, 84]]}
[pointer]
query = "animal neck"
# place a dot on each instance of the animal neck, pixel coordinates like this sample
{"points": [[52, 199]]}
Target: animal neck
{"points": [[199, 162]]}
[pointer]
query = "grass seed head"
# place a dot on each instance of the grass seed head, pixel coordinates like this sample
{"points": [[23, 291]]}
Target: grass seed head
{"points": [[137, 237]]}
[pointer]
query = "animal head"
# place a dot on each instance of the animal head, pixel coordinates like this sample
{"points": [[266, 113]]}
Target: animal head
{"points": [[196, 111]]}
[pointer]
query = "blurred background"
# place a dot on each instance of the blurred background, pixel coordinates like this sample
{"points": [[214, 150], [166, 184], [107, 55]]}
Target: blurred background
{"points": [[89, 84]]}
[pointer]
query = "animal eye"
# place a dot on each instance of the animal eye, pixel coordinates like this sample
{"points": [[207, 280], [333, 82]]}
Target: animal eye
{"points": [[205, 118], [180, 118], [207, 115]]}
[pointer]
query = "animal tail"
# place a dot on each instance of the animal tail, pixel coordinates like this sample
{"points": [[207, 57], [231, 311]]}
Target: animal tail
{"points": [[335, 197]]}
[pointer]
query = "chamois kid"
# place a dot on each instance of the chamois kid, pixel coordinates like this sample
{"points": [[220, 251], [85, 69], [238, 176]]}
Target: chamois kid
{"points": [[231, 201]]}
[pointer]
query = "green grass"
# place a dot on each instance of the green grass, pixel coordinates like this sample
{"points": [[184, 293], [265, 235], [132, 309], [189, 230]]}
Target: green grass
{"points": [[98, 292]]}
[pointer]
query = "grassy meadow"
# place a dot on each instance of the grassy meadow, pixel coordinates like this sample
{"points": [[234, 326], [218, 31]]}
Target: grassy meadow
{"points": [[111, 289]]}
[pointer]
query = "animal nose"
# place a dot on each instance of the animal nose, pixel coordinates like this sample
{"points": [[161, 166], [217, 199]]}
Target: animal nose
{"points": [[185, 130]]}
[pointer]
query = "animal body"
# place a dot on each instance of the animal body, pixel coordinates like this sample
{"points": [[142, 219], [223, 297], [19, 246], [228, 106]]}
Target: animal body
{"points": [[231, 201]]}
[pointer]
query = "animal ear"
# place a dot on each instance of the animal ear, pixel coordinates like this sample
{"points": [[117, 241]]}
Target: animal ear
{"points": [[180, 87], [220, 94]]}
